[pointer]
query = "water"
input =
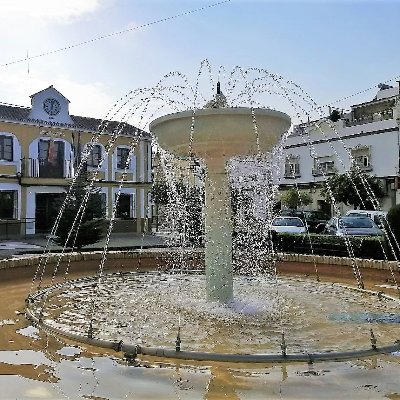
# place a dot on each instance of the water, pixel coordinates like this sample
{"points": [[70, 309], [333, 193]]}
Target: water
{"points": [[36, 366], [148, 308]]}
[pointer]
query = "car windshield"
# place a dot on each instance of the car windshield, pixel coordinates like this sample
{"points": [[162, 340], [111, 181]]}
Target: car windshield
{"points": [[316, 215], [288, 222], [356, 222]]}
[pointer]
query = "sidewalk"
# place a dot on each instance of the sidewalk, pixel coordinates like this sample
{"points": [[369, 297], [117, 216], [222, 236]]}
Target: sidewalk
{"points": [[36, 244]]}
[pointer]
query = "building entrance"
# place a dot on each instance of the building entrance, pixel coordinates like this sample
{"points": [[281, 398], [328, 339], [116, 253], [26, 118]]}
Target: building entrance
{"points": [[47, 207]]}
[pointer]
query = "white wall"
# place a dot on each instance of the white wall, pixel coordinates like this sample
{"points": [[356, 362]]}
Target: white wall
{"points": [[384, 149]]}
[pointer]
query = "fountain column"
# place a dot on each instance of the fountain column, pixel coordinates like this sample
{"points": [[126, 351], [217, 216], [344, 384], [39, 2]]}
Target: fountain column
{"points": [[215, 135], [218, 238]]}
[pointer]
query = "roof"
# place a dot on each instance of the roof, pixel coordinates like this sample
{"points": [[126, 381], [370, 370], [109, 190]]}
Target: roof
{"points": [[50, 87], [12, 113]]}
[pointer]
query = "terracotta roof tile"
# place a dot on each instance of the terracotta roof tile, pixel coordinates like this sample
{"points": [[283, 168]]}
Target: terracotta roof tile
{"points": [[21, 114]]}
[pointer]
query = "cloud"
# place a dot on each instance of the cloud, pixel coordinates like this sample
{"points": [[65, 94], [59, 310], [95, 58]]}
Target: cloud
{"points": [[87, 99], [49, 10]]}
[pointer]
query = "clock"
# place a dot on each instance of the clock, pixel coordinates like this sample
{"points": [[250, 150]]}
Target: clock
{"points": [[51, 106]]}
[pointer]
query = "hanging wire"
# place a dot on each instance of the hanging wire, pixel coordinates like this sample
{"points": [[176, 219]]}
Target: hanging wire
{"points": [[122, 32]]}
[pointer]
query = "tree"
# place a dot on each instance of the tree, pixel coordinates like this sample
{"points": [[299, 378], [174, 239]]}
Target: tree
{"points": [[187, 204], [393, 218], [90, 226], [354, 188], [293, 198], [335, 115], [160, 193]]}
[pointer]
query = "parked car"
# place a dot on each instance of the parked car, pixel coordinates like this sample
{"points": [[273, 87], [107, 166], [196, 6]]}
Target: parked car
{"points": [[379, 217], [350, 225], [288, 224], [312, 219]]}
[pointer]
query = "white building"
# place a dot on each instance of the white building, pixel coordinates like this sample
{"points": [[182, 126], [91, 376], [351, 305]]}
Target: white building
{"points": [[368, 135]]}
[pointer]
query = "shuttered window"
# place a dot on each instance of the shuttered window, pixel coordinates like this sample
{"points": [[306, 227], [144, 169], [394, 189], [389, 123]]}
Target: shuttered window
{"points": [[8, 204], [6, 148], [122, 157], [94, 156]]}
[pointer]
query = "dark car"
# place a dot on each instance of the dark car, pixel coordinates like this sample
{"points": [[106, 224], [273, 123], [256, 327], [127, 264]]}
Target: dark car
{"points": [[354, 226], [315, 220]]}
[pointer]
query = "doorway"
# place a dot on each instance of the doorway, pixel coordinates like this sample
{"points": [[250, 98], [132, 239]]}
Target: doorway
{"points": [[47, 207]]}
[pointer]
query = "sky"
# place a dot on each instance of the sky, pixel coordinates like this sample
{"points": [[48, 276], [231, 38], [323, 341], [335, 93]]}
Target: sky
{"points": [[331, 49]]}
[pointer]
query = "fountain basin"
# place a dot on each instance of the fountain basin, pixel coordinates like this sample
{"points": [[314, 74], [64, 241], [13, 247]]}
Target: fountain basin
{"points": [[145, 313], [220, 133]]}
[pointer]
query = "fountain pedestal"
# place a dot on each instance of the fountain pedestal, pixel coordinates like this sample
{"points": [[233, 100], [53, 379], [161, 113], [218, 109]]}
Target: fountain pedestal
{"points": [[218, 238], [215, 135]]}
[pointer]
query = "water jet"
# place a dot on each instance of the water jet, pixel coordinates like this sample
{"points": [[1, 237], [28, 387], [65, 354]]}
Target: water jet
{"points": [[215, 134]]}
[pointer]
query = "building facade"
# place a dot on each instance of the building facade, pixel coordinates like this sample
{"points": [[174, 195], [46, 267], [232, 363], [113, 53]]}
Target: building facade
{"points": [[41, 149], [367, 137]]}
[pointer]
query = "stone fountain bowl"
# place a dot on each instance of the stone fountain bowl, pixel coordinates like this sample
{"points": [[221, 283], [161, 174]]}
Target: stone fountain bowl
{"points": [[220, 133]]}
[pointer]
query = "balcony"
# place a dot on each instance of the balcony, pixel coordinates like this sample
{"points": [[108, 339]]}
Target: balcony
{"points": [[361, 166], [323, 171], [292, 175], [42, 168], [368, 118]]}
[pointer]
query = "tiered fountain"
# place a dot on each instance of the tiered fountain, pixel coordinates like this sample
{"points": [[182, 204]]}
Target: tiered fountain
{"points": [[215, 134]]}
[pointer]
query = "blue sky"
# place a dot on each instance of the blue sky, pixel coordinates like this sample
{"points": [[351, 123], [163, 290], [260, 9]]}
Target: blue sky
{"points": [[330, 48]]}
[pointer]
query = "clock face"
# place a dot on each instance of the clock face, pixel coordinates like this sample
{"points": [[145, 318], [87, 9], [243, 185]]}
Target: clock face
{"points": [[51, 106]]}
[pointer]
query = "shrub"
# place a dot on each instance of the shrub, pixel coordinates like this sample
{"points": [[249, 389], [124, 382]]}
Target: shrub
{"points": [[393, 218], [362, 247]]}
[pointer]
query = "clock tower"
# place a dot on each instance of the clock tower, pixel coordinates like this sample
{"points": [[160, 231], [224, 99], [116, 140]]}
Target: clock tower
{"points": [[51, 106]]}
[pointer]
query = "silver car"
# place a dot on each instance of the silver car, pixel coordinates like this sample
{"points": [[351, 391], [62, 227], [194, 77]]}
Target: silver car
{"points": [[355, 226], [288, 225]]}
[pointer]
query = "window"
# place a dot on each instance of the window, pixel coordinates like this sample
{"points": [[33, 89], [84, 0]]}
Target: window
{"points": [[8, 204], [292, 167], [6, 148], [362, 161], [103, 199], [122, 157], [96, 206], [323, 166], [361, 157], [94, 157], [51, 158], [51, 152], [124, 206]]}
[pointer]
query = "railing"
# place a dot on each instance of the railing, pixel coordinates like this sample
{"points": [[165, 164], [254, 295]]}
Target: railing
{"points": [[320, 171], [11, 228], [42, 168], [362, 167], [292, 176], [366, 119]]}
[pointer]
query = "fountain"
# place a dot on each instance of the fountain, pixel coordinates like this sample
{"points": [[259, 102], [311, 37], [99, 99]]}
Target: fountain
{"points": [[216, 134], [165, 315]]}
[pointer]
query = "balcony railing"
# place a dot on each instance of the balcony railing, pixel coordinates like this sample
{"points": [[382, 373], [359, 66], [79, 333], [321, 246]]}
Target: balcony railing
{"points": [[323, 171], [11, 228], [361, 167], [289, 175], [42, 168], [366, 119]]}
